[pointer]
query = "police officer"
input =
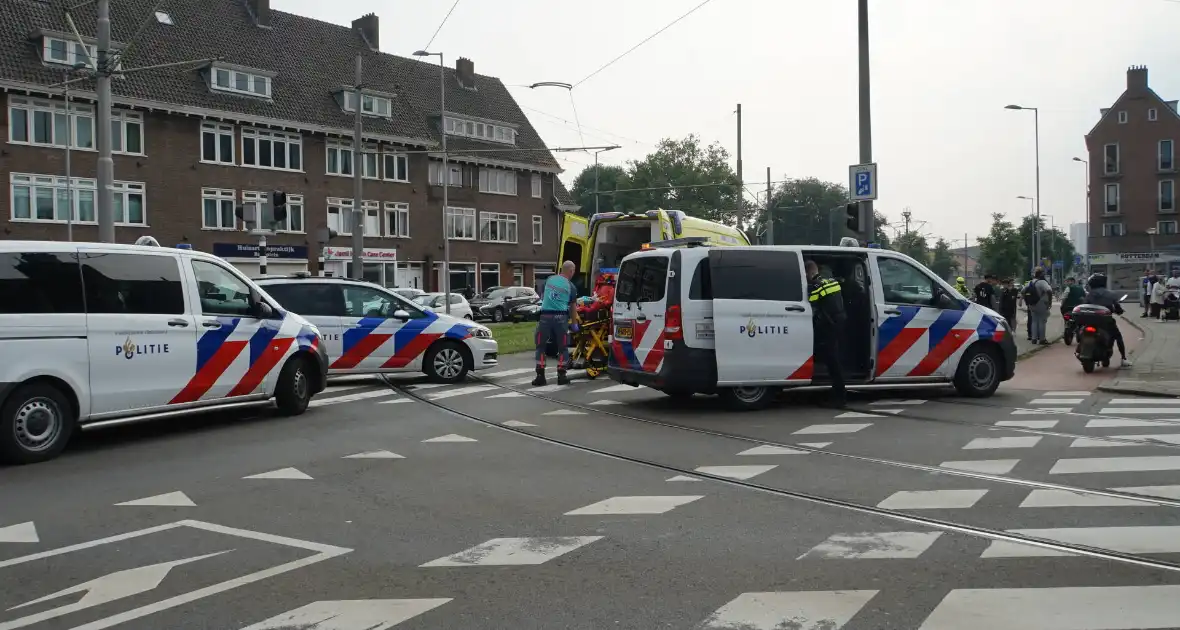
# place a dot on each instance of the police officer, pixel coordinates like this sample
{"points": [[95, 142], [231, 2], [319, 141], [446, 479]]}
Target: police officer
{"points": [[828, 317]]}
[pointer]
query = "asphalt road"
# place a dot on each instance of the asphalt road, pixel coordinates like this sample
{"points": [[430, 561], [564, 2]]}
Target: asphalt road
{"points": [[496, 505]]}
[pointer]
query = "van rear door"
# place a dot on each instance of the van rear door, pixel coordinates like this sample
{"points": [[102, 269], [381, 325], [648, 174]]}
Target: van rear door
{"points": [[761, 317], [641, 296], [666, 231], [575, 236]]}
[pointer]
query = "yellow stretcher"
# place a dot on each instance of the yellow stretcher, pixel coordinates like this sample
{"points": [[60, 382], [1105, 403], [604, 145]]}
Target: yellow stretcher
{"points": [[590, 350]]}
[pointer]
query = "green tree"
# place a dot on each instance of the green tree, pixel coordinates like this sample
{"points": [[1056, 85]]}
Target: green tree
{"points": [[807, 212], [914, 245], [1001, 252], [880, 236], [683, 175], [1055, 245], [943, 261], [610, 179]]}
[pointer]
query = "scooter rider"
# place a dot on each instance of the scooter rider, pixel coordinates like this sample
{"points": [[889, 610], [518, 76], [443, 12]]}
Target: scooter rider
{"points": [[1073, 296], [1101, 296]]}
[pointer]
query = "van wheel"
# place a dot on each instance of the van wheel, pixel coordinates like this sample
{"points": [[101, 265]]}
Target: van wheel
{"points": [[293, 391], [749, 398], [978, 375], [35, 424], [446, 362]]}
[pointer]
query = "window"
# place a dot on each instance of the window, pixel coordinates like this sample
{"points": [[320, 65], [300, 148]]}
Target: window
{"points": [[538, 228], [1113, 229], [340, 215], [272, 149], [397, 219], [536, 186], [40, 282], [139, 284], [217, 143], [68, 53], [749, 275], [1165, 161], [129, 204], [1166, 228], [397, 167], [480, 130], [1152, 114], [251, 203], [500, 182], [370, 105], [489, 275], [370, 159], [362, 301], [541, 273], [701, 287], [497, 227], [47, 198], [33, 121], [1122, 118], [294, 220], [309, 298], [240, 82], [518, 275], [221, 292], [902, 283], [217, 209], [1168, 195], [643, 280], [461, 223], [1111, 153], [436, 174], [339, 158], [1112, 199], [127, 132], [372, 218]]}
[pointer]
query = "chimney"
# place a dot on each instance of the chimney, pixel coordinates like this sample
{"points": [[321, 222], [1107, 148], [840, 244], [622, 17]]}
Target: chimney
{"points": [[465, 71], [369, 29], [1137, 78], [260, 10]]}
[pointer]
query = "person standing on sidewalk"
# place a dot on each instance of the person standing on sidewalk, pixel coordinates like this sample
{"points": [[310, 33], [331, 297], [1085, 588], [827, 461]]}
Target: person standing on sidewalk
{"points": [[557, 311], [985, 292], [1009, 298], [1038, 295]]}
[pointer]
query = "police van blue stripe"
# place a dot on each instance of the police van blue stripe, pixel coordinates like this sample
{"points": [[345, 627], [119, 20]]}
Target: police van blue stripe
{"points": [[261, 339], [458, 332], [412, 329], [987, 327], [360, 330], [943, 325], [211, 341], [892, 326]]}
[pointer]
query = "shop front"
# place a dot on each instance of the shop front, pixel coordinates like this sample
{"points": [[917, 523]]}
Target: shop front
{"points": [[1124, 269], [378, 265], [281, 260]]}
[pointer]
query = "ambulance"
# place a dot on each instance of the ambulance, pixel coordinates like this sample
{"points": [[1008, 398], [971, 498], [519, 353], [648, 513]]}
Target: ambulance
{"points": [[94, 334], [735, 321]]}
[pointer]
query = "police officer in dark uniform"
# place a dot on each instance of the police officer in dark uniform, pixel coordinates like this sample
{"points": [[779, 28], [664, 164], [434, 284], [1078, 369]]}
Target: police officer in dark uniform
{"points": [[828, 317]]}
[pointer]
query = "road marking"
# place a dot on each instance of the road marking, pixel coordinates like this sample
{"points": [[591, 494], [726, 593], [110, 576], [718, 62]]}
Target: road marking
{"points": [[506, 395], [461, 391], [989, 466], [1167, 492], [395, 401], [606, 403], [361, 614], [735, 472], [321, 402], [499, 552], [1113, 423], [1056, 401], [615, 388], [1028, 424], [1164, 438], [169, 499], [282, 473], [857, 414], [552, 387], [19, 533], [1066, 498], [873, 545], [1068, 394], [1149, 539], [514, 372], [517, 423], [1060, 608], [1115, 464], [450, 437], [1041, 411], [1144, 401], [831, 428], [1002, 442], [892, 411], [932, 499], [422, 386], [1137, 411], [887, 403], [374, 455], [815, 444], [564, 412], [682, 478], [767, 449], [635, 505], [806, 610]]}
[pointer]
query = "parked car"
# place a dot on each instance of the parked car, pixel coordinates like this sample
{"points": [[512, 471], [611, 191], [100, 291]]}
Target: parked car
{"points": [[434, 301], [528, 312], [410, 293], [497, 304]]}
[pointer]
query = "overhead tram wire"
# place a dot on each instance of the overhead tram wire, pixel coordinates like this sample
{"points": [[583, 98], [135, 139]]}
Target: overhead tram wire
{"points": [[437, 30], [570, 124]]}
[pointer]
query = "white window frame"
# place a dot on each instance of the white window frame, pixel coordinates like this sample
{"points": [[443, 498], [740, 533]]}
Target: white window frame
{"points": [[343, 150], [294, 209], [393, 159], [372, 210], [81, 188], [538, 229], [455, 171], [123, 191], [257, 137], [221, 196], [75, 53], [55, 111], [1106, 199], [1159, 155], [1122, 117], [1171, 185], [218, 131], [536, 185], [1159, 228], [1153, 114], [253, 81], [1106, 165], [518, 275], [342, 210], [497, 181], [370, 162], [461, 224], [252, 200], [1106, 231], [397, 219], [488, 268], [371, 105], [501, 227], [121, 125], [488, 132]]}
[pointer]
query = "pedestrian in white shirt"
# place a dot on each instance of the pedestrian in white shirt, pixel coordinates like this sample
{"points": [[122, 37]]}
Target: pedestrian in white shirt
{"points": [[1174, 281], [1157, 298]]}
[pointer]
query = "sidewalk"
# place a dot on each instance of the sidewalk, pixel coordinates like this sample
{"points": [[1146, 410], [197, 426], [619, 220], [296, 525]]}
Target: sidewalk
{"points": [[1053, 331], [1156, 369]]}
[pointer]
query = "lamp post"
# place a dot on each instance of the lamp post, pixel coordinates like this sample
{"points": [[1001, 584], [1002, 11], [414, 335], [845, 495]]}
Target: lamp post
{"points": [[1151, 232], [445, 175], [1086, 163], [1037, 136], [1035, 228]]}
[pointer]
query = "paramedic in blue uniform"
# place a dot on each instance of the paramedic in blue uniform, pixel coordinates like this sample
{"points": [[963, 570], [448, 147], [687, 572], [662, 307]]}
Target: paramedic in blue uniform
{"points": [[828, 317], [557, 311]]}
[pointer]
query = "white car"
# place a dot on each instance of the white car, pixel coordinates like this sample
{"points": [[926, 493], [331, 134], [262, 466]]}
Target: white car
{"points": [[409, 293], [369, 329], [459, 305]]}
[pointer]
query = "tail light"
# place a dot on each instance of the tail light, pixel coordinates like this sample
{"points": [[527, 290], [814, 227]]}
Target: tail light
{"points": [[673, 323], [1067, 316], [1090, 329]]}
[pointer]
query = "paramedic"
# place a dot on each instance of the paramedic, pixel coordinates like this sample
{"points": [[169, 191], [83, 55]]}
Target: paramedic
{"points": [[557, 311], [828, 317]]}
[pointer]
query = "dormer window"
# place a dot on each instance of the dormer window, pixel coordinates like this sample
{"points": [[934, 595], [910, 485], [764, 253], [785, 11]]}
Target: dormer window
{"points": [[67, 53], [481, 130], [370, 105], [239, 81]]}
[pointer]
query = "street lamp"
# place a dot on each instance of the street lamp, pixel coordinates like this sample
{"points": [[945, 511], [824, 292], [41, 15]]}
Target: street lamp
{"points": [[1151, 232], [1036, 224], [445, 175], [1037, 135], [1086, 163]]}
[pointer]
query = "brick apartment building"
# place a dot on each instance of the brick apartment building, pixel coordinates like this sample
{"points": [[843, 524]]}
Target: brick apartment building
{"points": [[275, 111], [1133, 184]]}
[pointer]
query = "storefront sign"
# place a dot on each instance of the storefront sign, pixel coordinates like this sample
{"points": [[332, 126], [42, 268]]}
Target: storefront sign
{"points": [[1132, 258], [246, 250], [369, 253]]}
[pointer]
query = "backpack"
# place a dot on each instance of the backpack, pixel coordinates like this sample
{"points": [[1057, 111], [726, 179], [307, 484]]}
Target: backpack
{"points": [[1030, 294]]}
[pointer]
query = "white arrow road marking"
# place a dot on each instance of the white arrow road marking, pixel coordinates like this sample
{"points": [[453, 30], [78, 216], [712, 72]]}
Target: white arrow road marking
{"points": [[374, 455], [19, 533], [107, 588], [282, 473], [450, 437], [169, 499], [360, 614]]}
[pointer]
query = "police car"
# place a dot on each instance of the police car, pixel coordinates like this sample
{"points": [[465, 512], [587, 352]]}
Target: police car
{"points": [[94, 334], [369, 329], [736, 321]]}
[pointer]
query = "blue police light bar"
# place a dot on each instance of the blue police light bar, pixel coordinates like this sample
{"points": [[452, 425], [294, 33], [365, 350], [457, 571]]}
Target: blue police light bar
{"points": [[184, 246], [874, 246], [687, 241]]}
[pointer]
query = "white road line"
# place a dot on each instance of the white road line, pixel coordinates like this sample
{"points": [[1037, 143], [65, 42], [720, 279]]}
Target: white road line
{"points": [[767, 449], [1028, 424], [564, 412], [335, 400], [1056, 401], [1002, 442], [1137, 411], [1040, 411], [819, 429], [1068, 394], [461, 391], [168, 499], [395, 401], [282, 473], [1145, 401], [615, 388], [892, 411], [1167, 492], [514, 372], [422, 386], [517, 423], [551, 387], [735, 472], [989, 466], [19, 533], [506, 395], [605, 403], [374, 455], [635, 505], [932, 499], [815, 444], [1144, 439], [806, 610], [1066, 498], [356, 614], [1149, 539], [1112, 423], [514, 551], [1060, 608], [857, 414], [450, 437], [1115, 464], [682, 478], [873, 545], [890, 403]]}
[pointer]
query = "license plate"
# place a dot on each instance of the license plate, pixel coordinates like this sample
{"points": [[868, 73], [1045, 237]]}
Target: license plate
{"points": [[624, 332]]}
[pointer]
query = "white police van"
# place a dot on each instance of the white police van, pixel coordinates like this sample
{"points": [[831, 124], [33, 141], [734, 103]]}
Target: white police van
{"points": [[736, 321], [369, 330], [94, 334]]}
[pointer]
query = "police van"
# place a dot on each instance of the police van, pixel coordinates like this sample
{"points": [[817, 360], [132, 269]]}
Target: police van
{"points": [[94, 334], [735, 321]]}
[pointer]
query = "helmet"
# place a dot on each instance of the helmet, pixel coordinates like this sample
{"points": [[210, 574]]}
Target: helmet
{"points": [[960, 280], [1097, 281]]}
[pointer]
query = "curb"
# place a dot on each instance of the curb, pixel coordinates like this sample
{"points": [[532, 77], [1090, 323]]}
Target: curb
{"points": [[1111, 387]]}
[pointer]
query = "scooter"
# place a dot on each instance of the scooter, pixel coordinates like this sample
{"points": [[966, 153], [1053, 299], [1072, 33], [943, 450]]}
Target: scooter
{"points": [[1070, 328], [1171, 308], [1095, 344]]}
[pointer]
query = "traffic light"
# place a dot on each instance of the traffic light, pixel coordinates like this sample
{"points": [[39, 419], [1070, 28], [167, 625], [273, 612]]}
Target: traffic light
{"points": [[852, 211], [278, 203]]}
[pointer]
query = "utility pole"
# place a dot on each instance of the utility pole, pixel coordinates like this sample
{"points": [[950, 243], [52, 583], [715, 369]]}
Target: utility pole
{"points": [[769, 212], [358, 156], [906, 214], [866, 126], [741, 187], [965, 255], [105, 196], [69, 173]]}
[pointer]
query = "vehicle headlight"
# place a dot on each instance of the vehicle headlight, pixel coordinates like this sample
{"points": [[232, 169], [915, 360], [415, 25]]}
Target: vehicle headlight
{"points": [[481, 332]]}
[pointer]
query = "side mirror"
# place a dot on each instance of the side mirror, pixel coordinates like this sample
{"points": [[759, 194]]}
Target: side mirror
{"points": [[946, 302], [1122, 297], [401, 314], [263, 310]]}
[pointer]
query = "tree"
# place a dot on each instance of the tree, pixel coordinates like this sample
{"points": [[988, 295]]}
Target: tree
{"points": [[610, 179], [880, 237], [807, 212], [1000, 251], [683, 175], [943, 261], [914, 245], [1055, 245]]}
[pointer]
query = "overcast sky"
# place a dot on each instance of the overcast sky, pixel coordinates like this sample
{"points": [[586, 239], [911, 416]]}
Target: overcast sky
{"points": [[942, 72]]}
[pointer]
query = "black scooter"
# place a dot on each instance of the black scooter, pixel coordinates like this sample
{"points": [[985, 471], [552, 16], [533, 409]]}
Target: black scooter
{"points": [[1095, 344], [1070, 328]]}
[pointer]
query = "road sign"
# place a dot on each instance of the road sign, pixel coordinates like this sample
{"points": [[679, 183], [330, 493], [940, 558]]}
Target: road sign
{"points": [[1077, 259], [1057, 264], [862, 182]]}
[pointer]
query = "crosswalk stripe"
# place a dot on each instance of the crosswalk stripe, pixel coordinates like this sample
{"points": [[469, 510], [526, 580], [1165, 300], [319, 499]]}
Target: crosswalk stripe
{"points": [[1111, 423], [1144, 401], [504, 373], [1041, 411], [1143, 439], [461, 391], [1056, 401], [321, 402], [1115, 464], [873, 545], [1138, 411], [1057, 608], [1148, 539], [615, 388], [1067, 394], [1028, 424], [1041, 498], [797, 609]]}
